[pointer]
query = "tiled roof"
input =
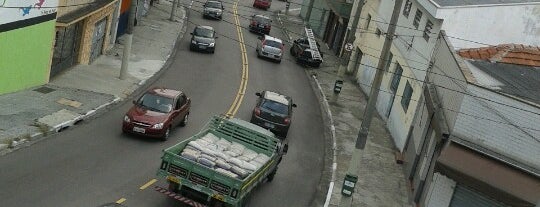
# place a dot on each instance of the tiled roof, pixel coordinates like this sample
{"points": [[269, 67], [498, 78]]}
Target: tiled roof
{"points": [[507, 53]]}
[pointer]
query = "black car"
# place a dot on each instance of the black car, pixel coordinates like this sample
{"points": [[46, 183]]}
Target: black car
{"points": [[203, 38], [304, 54], [260, 24], [213, 9], [273, 111]]}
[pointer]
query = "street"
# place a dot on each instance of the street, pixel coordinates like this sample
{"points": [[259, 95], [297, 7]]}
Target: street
{"points": [[94, 163]]}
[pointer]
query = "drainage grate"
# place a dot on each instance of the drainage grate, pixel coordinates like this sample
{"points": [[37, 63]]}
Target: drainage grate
{"points": [[44, 90]]}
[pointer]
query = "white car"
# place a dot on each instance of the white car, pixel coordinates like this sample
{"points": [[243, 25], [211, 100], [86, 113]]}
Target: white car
{"points": [[270, 47]]}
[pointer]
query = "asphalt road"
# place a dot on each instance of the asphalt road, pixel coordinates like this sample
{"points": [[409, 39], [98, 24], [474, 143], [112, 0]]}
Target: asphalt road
{"points": [[94, 163]]}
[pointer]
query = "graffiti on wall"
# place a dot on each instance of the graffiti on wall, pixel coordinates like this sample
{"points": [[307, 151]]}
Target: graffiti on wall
{"points": [[16, 10]]}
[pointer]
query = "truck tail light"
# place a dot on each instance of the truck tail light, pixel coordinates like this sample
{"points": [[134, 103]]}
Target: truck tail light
{"points": [[257, 111], [287, 121]]}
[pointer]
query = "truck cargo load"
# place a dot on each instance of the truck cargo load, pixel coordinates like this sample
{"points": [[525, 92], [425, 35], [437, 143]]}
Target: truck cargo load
{"points": [[221, 164]]}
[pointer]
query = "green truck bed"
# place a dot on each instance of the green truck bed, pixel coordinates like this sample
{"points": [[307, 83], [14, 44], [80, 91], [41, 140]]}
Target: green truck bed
{"points": [[210, 186]]}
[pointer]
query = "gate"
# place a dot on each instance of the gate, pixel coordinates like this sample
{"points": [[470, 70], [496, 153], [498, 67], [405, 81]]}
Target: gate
{"points": [[98, 39]]}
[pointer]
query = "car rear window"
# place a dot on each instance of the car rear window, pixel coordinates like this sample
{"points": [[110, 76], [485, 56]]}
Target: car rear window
{"points": [[203, 32], [213, 4], [157, 103], [262, 20], [275, 106], [272, 43]]}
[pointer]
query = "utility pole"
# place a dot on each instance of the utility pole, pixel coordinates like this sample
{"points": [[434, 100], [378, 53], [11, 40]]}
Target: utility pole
{"points": [[369, 110], [308, 13], [173, 10], [350, 37], [129, 41]]}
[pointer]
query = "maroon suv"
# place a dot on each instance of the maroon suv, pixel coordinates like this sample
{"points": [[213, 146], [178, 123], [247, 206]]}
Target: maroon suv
{"points": [[156, 112]]}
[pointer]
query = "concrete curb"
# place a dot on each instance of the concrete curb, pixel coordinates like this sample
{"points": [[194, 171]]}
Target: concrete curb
{"points": [[326, 106], [334, 146]]}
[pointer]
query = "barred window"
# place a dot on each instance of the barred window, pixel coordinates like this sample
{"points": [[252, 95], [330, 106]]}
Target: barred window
{"points": [[427, 30], [406, 98], [417, 18], [407, 8]]}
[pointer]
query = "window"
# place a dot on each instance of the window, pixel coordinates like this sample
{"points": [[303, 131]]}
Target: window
{"points": [[406, 98], [417, 18], [388, 62], [397, 77], [368, 20], [407, 8], [427, 30]]}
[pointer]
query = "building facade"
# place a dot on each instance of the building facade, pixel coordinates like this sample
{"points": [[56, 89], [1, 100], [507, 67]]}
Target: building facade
{"points": [[26, 38], [474, 141], [83, 32]]}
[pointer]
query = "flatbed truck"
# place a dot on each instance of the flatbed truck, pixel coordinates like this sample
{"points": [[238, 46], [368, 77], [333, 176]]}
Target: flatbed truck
{"points": [[198, 185]]}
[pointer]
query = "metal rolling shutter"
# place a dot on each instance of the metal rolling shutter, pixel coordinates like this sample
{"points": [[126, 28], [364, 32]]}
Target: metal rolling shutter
{"points": [[464, 197]]}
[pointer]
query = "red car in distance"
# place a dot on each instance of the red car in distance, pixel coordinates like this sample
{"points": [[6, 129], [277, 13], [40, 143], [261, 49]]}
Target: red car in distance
{"points": [[156, 112], [262, 4]]}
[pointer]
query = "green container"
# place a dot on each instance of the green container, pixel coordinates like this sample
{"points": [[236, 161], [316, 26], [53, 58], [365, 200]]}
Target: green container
{"points": [[348, 185]]}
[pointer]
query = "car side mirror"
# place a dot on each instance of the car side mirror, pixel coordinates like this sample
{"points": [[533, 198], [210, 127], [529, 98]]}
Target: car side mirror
{"points": [[285, 148], [191, 33], [134, 102], [216, 37], [258, 94], [294, 105], [260, 37]]}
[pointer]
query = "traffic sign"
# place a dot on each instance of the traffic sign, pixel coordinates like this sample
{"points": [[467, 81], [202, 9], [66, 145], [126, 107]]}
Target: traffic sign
{"points": [[348, 47]]}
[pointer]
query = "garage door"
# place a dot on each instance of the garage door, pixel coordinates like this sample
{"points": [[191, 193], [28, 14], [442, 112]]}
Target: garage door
{"points": [[464, 197]]}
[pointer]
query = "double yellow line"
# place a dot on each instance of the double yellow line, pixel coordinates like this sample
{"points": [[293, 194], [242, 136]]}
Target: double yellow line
{"points": [[245, 68]]}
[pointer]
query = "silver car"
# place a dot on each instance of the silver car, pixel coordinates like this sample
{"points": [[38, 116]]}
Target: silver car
{"points": [[270, 47]]}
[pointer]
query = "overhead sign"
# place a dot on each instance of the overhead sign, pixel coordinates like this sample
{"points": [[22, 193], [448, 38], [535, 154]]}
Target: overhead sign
{"points": [[348, 47], [16, 10]]}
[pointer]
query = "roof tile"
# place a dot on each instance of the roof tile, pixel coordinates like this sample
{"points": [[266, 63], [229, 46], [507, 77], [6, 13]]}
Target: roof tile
{"points": [[505, 53]]}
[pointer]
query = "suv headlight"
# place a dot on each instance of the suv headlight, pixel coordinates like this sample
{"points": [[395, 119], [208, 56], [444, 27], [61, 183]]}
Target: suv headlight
{"points": [[211, 44], [126, 118], [193, 42], [157, 126]]}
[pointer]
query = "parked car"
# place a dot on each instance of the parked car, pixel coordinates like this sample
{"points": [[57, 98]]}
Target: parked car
{"points": [[262, 4], [203, 38], [213, 9], [156, 112], [260, 24], [270, 47], [305, 54], [273, 111], [300, 44]]}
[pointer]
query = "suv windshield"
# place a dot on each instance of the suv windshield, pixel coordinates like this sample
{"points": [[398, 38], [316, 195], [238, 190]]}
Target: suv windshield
{"points": [[203, 32], [213, 4], [275, 106], [157, 103], [272, 43]]}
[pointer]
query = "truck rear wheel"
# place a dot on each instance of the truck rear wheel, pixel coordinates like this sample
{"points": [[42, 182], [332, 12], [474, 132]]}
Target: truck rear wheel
{"points": [[271, 176], [173, 187]]}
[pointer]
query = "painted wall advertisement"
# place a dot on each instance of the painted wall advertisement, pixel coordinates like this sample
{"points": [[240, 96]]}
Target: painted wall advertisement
{"points": [[16, 10]]}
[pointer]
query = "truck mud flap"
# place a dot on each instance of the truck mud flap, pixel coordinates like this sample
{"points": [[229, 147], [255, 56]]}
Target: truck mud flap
{"points": [[179, 197]]}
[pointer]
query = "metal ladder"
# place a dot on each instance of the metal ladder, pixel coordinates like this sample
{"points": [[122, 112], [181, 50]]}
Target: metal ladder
{"points": [[313, 44]]}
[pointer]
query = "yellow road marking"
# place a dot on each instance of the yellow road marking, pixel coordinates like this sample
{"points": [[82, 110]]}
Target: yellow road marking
{"points": [[148, 184], [245, 68], [121, 200]]}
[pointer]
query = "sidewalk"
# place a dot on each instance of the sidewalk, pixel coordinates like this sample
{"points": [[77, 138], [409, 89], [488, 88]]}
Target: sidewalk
{"points": [[84, 90], [381, 181]]}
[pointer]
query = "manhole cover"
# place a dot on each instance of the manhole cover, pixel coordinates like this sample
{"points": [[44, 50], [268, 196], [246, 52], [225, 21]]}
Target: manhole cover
{"points": [[44, 90]]}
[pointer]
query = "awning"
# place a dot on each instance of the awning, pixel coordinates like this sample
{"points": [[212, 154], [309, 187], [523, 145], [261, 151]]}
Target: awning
{"points": [[490, 176], [83, 12]]}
